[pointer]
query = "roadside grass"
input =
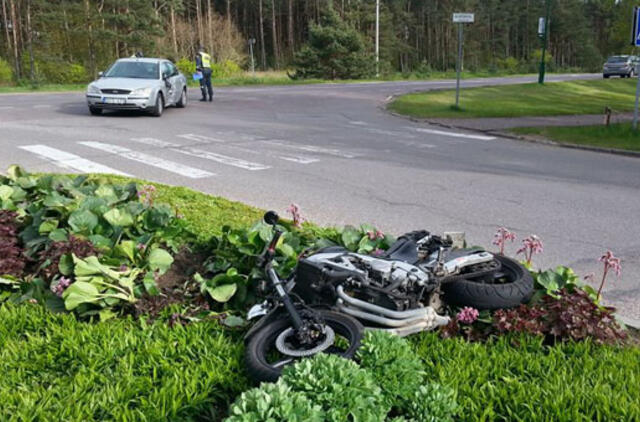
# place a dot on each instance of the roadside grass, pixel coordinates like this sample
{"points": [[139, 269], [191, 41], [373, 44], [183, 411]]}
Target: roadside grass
{"points": [[618, 136], [521, 379], [268, 78], [557, 98], [56, 367]]}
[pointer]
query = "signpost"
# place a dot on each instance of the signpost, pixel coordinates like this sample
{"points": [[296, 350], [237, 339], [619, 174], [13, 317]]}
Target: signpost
{"points": [[460, 19], [543, 33], [252, 41], [635, 41]]}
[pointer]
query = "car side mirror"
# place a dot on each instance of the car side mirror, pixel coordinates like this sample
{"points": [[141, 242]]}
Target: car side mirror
{"points": [[271, 218], [100, 74]]}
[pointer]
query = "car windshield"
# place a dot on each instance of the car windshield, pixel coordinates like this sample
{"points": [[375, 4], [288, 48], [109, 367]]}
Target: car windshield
{"points": [[617, 59], [137, 70]]}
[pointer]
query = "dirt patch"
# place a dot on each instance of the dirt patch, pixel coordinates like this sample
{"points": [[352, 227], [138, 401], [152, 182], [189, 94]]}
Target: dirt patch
{"points": [[185, 264]]}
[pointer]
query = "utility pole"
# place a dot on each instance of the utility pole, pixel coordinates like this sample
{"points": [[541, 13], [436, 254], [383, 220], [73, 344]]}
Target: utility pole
{"points": [[377, 38], [545, 36]]}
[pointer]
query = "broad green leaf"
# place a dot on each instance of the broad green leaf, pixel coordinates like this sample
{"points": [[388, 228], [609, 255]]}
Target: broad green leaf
{"points": [[107, 314], [106, 191], [55, 200], [127, 248], [233, 321], [91, 266], [58, 235], [78, 293], [83, 221], [48, 226], [160, 260], [351, 237], [150, 284], [118, 218], [100, 242], [5, 192], [286, 250], [9, 280], [14, 171], [222, 293], [66, 264]]}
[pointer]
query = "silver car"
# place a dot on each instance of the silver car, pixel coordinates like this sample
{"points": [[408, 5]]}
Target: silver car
{"points": [[138, 84], [623, 66]]}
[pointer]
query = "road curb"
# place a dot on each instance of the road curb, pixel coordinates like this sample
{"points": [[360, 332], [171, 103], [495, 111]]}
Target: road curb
{"points": [[630, 322], [508, 135]]}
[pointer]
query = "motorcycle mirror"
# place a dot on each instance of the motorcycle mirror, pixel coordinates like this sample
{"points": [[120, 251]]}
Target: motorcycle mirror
{"points": [[271, 218]]}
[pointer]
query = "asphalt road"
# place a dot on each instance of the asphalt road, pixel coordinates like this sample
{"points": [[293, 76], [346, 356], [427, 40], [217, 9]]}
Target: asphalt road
{"points": [[333, 150]]}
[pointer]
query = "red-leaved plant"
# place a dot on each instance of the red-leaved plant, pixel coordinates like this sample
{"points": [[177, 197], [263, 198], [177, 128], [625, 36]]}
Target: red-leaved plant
{"points": [[12, 257], [49, 259]]}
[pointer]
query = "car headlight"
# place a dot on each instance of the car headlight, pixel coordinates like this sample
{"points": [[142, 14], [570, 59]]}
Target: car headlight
{"points": [[142, 92], [92, 89]]}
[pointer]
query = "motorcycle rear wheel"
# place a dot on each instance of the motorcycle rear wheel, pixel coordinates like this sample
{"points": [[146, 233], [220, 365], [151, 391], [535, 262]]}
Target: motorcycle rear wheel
{"points": [[264, 361], [508, 287]]}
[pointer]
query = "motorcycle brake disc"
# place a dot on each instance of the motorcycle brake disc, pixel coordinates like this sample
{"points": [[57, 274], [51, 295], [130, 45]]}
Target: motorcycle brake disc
{"points": [[284, 347]]}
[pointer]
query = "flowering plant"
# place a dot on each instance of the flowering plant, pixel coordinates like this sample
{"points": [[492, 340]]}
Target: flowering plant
{"points": [[531, 245], [501, 237]]}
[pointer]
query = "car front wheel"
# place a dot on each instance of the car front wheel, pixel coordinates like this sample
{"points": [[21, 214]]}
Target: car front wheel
{"points": [[183, 99], [159, 107], [95, 111]]}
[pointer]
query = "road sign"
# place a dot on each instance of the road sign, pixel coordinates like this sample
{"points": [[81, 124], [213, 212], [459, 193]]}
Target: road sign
{"points": [[463, 17], [541, 27], [635, 28]]}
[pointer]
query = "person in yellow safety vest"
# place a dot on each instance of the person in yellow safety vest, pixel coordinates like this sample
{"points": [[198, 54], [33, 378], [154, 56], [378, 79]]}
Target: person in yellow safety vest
{"points": [[203, 65]]}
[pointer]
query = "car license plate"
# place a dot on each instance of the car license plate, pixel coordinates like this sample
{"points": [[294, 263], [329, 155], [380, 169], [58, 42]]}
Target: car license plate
{"points": [[111, 100]]}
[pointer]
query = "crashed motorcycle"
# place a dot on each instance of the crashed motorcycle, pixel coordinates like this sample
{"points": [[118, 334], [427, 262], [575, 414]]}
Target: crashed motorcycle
{"points": [[333, 292]]}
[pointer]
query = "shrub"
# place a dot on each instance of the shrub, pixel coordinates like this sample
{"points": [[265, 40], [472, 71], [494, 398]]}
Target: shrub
{"points": [[56, 368], [342, 389], [509, 64], [394, 366], [274, 402], [186, 66], [13, 259], [432, 403], [518, 377], [225, 69], [6, 73]]}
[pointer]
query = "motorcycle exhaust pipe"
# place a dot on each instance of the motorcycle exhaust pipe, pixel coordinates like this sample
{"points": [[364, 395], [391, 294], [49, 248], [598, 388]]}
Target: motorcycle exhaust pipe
{"points": [[400, 315], [388, 322]]}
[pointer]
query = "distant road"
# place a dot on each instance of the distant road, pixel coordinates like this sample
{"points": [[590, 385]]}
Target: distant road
{"points": [[333, 150]]}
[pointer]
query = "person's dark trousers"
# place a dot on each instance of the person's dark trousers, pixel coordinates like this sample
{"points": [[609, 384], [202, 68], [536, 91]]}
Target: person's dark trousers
{"points": [[205, 84]]}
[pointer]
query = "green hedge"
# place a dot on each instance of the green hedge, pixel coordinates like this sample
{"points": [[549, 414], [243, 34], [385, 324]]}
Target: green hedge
{"points": [[520, 379], [6, 73], [56, 368]]}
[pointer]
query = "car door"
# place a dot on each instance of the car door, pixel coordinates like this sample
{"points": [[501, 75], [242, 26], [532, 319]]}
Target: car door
{"points": [[170, 90], [177, 80]]}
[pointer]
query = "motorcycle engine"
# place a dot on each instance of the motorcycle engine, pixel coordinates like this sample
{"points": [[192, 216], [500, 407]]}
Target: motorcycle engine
{"points": [[395, 285]]}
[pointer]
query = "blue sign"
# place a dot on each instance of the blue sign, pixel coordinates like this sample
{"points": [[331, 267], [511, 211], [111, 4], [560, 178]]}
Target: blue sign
{"points": [[636, 27]]}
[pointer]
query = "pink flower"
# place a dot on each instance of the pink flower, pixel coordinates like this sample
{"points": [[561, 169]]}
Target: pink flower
{"points": [[531, 245], [467, 315], [502, 236], [141, 246], [59, 287], [610, 263], [296, 215], [377, 252], [146, 194], [375, 234]]}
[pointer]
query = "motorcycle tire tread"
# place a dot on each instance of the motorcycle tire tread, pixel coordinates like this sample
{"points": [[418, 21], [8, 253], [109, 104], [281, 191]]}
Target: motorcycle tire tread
{"points": [[259, 372], [482, 296]]}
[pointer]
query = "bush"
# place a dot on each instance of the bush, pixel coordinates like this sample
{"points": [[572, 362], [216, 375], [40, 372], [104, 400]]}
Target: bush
{"points": [[274, 402], [6, 73], [519, 378], [342, 389], [335, 51], [509, 65], [432, 403], [186, 66], [56, 368], [394, 366], [225, 69]]}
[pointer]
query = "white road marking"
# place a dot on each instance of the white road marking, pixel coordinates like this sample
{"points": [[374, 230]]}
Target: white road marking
{"points": [[358, 123], [6, 107], [309, 148], [199, 138], [151, 160], [389, 132], [456, 134], [207, 155], [42, 106], [69, 161]]}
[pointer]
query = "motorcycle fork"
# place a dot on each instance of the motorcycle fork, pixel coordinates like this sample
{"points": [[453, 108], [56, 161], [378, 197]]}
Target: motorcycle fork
{"points": [[294, 316]]}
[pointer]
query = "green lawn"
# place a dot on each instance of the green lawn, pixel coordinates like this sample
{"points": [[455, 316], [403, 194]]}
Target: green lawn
{"points": [[558, 98], [264, 78], [618, 136]]}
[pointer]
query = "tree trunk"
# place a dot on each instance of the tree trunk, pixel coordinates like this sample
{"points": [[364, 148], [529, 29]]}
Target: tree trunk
{"points": [[290, 29], [274, 35], [174, 36], [210, 26], [5, 19], [262, 47], [16, 40], [91, 46], [32, 72], [199, 23]]}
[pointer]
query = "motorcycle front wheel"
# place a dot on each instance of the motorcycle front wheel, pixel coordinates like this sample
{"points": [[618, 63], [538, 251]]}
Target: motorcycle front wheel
{"points": [[264, 353]]}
